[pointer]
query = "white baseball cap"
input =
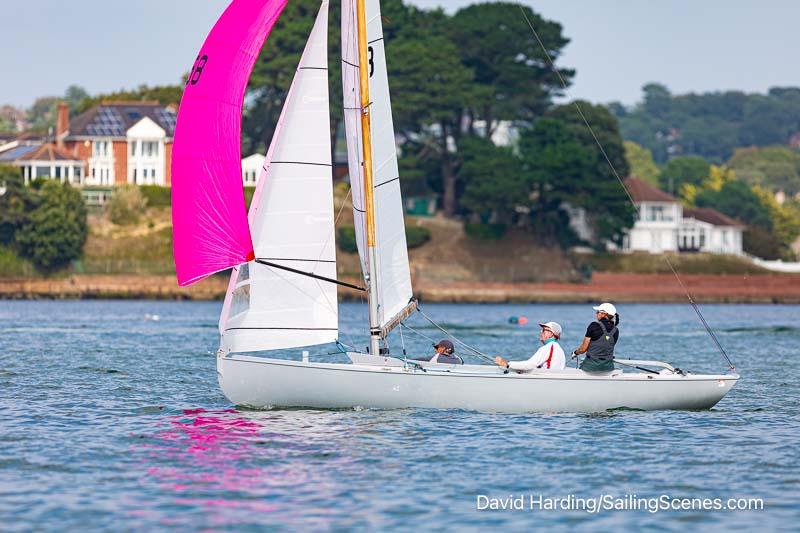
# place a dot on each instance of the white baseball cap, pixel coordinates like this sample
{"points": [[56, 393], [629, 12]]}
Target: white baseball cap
{"points": [[606, 308], [555, 327]]}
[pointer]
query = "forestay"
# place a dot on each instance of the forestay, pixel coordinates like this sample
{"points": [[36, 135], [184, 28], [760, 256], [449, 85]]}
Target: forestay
{"points": [[394, 279], [292, 222], [208, 211]]}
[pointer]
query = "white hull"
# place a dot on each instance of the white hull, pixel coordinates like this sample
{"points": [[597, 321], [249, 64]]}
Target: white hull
{"points": [[268, 383]]}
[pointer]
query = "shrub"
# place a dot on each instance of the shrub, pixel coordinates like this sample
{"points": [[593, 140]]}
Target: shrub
{"points": [[56, 230], [127, 205], [346, 239], [485, 232], [156, 195], [248, 195], [417, 236]]}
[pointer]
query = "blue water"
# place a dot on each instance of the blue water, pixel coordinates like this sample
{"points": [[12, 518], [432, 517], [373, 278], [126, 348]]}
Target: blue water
{"points": [[110, 420]]}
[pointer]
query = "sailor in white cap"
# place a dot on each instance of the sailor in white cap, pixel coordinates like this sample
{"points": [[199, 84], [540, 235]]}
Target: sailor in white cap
{"points": [[550, 355], [601, 337]]}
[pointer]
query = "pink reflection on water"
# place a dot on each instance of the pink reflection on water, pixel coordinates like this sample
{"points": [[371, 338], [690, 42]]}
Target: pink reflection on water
{"points": [[226, 462]]}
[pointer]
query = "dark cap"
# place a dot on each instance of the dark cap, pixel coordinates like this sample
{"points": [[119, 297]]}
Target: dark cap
{"points": [[446, 344]]}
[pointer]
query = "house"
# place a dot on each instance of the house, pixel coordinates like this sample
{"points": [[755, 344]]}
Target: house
{"points": [[251, 169], [664, 225], [120, 142], [45, 161]]}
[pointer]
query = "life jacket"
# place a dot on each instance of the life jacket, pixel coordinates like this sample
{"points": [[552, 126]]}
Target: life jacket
{"points": [[602, 349]]}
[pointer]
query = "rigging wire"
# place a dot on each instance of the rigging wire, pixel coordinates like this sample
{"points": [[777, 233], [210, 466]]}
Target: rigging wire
{"points": [[459, 341], [627, 192]]}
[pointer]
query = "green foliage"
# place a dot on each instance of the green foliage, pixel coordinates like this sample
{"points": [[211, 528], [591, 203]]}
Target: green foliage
{"points": [[762, 243], [775, 167], [586, 179], [12, 265], [276, 66], [74, 96], [680, 171], [56, 231], [711, 125], [485, 232], [346, 239], [738, 201], [163, 94], [42, 114], [493, 178], [15, 205], [127, 205], [640, 161], [156, 195], [248, 195], [416, 236], [512, 73]]}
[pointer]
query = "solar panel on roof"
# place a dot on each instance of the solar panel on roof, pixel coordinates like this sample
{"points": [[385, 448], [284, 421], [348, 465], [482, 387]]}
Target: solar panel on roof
{"points": [[16, 153]]}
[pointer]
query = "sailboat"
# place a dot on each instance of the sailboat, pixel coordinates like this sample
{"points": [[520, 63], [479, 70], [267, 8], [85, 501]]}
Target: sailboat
{"points": [[282, 292]]}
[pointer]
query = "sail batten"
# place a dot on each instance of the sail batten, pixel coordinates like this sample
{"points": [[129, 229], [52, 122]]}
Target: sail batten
{"points": [[288, 301], [210, 226]]}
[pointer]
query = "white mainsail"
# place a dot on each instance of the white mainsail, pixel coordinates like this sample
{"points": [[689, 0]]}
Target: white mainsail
{"points": [[292, 224], [394, 278]]}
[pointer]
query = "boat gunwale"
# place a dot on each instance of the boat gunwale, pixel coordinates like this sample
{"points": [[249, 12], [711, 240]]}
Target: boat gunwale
{"points": [[435, 372]]}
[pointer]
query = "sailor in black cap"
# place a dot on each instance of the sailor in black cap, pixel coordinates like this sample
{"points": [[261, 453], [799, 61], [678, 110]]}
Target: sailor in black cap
{"points": [[444, 354]]}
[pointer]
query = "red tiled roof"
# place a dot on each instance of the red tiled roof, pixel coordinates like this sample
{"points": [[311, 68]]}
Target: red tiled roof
{"points": [[48, 152], [712, 216], [641, 191]]}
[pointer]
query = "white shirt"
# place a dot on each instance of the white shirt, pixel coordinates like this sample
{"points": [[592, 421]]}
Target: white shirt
{"points": [[557, 362]]}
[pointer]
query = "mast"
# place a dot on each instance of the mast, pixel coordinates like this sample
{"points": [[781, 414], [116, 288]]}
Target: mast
{"points": [[369, 199]]}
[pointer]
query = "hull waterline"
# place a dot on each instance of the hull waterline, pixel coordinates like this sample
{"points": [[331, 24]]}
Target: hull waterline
{"points": [[271, 383]]}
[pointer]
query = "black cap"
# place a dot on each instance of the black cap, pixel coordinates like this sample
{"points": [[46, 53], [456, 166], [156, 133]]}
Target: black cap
{"points": [[446, 344]]}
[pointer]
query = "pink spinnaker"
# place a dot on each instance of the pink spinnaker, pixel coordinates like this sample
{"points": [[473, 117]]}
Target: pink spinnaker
{"points": [[209, 219]]}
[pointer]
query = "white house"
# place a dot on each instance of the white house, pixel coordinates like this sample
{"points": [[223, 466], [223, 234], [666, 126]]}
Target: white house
{"points": [[664, 225], [251, 169]]}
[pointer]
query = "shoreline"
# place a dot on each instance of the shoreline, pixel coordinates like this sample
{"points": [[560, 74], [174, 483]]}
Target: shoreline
{"points": [[624, 288]]}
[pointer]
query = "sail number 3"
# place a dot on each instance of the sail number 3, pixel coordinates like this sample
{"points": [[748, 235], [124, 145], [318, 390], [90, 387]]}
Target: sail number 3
{"points": [[197, 70], [371, 61]]}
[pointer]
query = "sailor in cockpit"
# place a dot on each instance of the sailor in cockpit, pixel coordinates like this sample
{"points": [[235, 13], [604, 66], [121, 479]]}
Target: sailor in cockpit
{"points": [[549, 356], [444, 354]]}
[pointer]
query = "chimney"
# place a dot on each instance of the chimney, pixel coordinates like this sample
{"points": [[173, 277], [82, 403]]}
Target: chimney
{"points": [[62, 124]]}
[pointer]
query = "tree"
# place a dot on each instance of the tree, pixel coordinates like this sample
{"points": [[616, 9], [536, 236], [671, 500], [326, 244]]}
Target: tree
{"points": [[163, 94], [275, 68], [738, 201], [558, 168], [74, 96], [692, 170], [775, 167], [42, 114], [512, 73], [494, 183], [15, 204], [601, 193], [640, 161], [434, 88], [710, 125], [56, 230]]}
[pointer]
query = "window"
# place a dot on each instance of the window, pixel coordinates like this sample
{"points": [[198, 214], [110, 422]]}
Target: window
{"points": [[133, 148], [100, 148], [149, 148]]}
